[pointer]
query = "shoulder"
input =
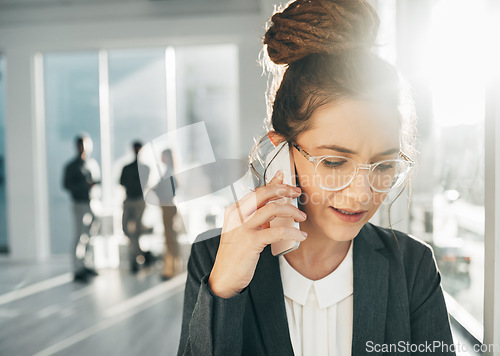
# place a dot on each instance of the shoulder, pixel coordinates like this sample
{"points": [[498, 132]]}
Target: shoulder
{"points": [[71, 165], [127, 167], [414, 255], [408, 249], [72, 162]]}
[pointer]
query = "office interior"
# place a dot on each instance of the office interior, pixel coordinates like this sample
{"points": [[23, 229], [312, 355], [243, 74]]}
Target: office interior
{"points": [[125, 70]]}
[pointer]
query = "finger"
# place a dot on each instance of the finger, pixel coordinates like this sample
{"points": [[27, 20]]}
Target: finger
{"points": [[263, 195], [278, 178], [275, 234], [273, 210]]}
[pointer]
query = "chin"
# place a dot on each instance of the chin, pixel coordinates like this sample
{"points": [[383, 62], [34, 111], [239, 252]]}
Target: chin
{"points": [[344, 233], [338, 231]]}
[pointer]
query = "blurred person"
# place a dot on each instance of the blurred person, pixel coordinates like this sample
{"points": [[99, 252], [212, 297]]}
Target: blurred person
{"points": [[165, 191], [133, 208], [350, 287], [80, 176]]}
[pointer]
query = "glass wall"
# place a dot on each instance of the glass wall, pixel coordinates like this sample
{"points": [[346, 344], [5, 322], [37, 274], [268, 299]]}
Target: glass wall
{"points": [[207, 91], [138, 111], [72, 107], [447, 198], [3, 205], [455, 150], [151, 91]]}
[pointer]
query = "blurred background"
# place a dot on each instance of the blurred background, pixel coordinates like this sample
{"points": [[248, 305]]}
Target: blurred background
{"points": [[125, 70]]}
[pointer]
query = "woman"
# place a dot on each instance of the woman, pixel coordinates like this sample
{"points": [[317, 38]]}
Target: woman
{"points": [[350, 287]]}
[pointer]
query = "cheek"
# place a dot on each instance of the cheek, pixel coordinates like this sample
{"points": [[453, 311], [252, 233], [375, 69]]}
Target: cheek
{"points": [[377, 200]]}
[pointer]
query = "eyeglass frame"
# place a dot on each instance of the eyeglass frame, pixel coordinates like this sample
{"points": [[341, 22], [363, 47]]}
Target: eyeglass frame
{"points": [[316, 159]]}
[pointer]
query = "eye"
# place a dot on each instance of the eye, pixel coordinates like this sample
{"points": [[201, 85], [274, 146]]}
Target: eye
{"points": [[385, 166], [333, 162]]}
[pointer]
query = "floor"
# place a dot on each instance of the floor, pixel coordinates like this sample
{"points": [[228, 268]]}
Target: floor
{"points": [[43, 312]]}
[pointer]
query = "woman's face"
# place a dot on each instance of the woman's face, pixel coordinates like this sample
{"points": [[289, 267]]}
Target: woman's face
{"points": [[364, 131]]}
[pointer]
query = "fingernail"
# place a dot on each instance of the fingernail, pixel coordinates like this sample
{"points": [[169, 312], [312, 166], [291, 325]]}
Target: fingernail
{"points": [[304, 233], [278, 174], [303, 214], [297, 189]]}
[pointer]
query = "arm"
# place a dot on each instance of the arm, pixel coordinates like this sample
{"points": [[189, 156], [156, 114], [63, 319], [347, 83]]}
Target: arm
{"points": [[428, 313], [123, 177], [213, 322], [211, 325], [67, 179]]}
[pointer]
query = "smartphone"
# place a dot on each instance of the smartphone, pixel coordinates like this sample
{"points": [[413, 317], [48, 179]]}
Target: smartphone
{"points": [[281, 159]]}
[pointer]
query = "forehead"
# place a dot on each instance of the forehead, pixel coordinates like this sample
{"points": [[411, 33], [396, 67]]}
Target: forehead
{"points": [[361, 126]]}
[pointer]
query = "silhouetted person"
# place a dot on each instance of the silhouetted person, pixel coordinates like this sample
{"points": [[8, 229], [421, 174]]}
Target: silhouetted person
{"points": [[171, 261], [133, 207], [80, 175]]}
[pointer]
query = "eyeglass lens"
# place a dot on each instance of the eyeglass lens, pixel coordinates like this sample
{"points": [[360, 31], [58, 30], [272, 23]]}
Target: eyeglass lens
{"points": [[333, 173]]}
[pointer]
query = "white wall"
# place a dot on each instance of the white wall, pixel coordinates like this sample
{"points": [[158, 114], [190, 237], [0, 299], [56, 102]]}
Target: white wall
{"points": [[26, 31]]}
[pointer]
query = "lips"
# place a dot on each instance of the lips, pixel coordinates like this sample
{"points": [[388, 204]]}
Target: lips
{"points": [[349, 212], [347, 215]]}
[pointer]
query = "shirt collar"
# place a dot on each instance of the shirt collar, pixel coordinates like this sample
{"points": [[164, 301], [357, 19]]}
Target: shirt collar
{"points": [[329, 290]]}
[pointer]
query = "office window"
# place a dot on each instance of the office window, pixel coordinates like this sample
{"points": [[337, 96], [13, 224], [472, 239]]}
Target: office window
{"points": [[3, 206], [207, 91], [138, 111], [151, 91], [447, 78], [448, 204], [72, 106]]}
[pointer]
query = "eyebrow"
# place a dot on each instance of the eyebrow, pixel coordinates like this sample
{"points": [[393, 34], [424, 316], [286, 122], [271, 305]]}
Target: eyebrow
{"points": [[348, 151]]}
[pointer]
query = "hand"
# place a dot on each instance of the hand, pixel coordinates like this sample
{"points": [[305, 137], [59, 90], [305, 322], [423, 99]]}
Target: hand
{"points": [[246, 233]]}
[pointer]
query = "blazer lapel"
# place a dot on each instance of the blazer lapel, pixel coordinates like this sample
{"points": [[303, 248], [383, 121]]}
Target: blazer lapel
{"points": [[370, 288], [266, 290]]}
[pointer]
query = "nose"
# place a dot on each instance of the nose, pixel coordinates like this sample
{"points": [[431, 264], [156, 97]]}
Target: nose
{"points": [[360, 190]]}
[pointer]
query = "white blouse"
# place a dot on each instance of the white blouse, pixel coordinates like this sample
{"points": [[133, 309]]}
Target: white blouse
{"points": [[319, 312]]}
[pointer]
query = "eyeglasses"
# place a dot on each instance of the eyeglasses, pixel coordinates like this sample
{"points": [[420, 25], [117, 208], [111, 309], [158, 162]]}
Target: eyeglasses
{"points": [[335, 173]]}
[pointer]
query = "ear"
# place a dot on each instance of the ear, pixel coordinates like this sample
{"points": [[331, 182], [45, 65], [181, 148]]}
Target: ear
{"points": [[275, 138]]}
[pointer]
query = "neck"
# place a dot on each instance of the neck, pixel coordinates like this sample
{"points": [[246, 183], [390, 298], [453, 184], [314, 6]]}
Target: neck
{"points": [[318, 255]]}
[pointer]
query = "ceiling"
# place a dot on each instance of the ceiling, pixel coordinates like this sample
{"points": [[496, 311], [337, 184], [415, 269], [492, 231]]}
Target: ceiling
{"points": [[35, 12]]}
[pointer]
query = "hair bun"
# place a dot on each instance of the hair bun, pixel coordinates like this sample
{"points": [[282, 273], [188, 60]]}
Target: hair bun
{"points": [[320, 26]]}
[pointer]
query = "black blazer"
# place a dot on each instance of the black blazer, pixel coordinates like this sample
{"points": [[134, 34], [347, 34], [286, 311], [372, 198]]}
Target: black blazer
{"points": [[397, 301]]}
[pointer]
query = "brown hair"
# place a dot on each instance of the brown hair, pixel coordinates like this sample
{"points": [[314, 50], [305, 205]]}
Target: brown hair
{"points": [[319, 52]]}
